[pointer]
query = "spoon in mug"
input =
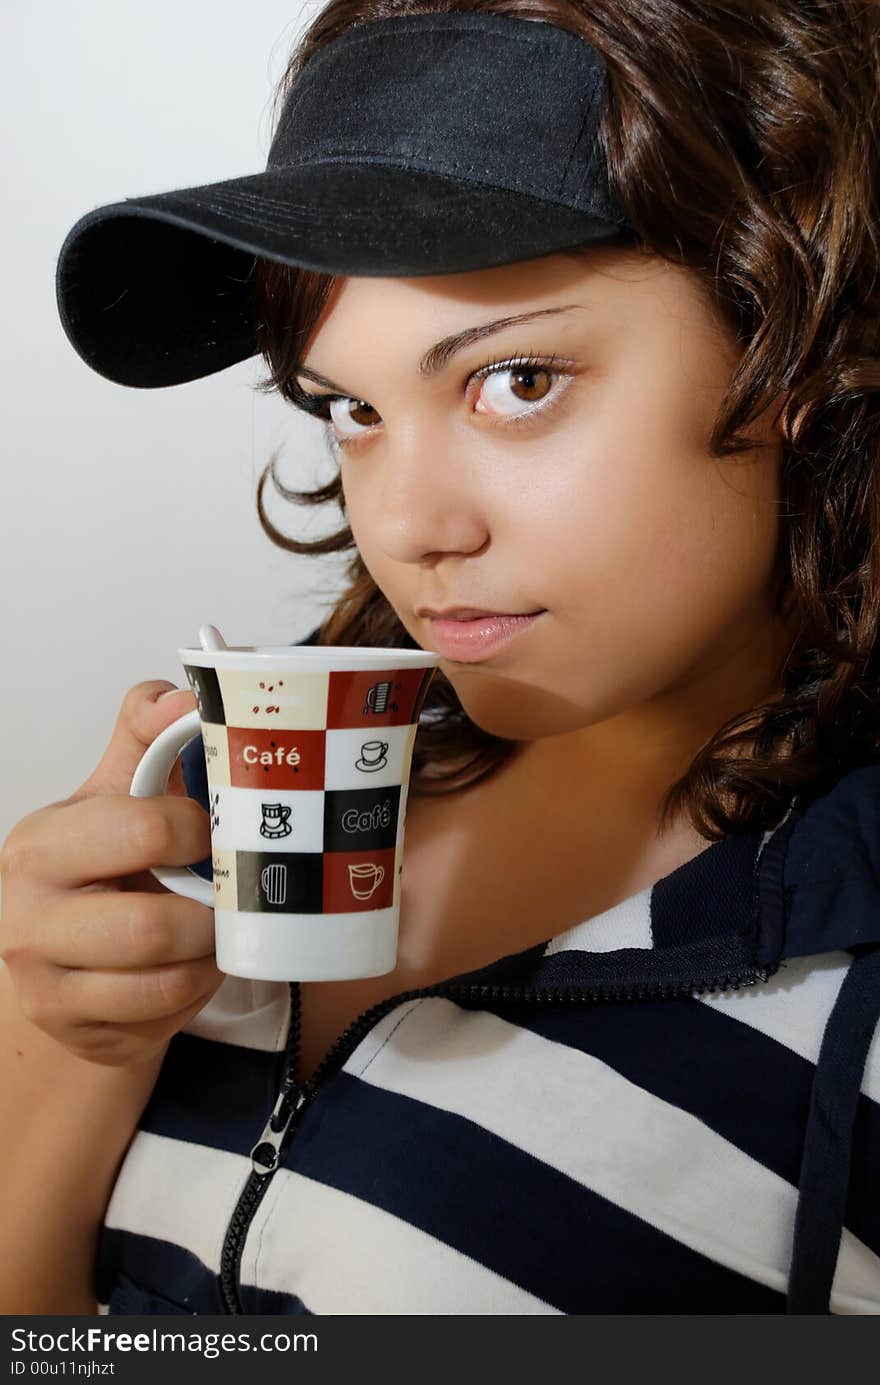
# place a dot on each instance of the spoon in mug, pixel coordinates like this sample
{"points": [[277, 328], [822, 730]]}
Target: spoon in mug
{"points": [[210, 638]]}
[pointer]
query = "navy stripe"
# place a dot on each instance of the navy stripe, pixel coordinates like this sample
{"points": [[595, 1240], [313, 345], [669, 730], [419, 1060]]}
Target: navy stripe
{"points": [[751, 1089], [129, 1297], [544, 1231], [268, 1301], [708, 897], [214, 1094], [187, 1285]]}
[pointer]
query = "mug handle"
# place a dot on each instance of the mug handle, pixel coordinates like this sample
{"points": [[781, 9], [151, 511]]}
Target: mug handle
{"points": [[151, 779]]}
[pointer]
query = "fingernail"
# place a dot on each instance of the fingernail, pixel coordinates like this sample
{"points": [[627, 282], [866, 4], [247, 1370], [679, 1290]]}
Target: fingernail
{"points": [[170, 693]]}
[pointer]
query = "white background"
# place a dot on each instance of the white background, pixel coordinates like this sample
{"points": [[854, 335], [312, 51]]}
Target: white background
{"points": [[128, 516]]}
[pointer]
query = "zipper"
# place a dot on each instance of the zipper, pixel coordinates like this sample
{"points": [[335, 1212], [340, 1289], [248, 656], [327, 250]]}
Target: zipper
{"points": [[293, 1099], [265, 1158]]}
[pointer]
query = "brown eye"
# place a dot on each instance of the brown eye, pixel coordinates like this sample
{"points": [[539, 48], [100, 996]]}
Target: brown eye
{"points": [[515, 391], [357, 411], [511, 386], [534, 384]]}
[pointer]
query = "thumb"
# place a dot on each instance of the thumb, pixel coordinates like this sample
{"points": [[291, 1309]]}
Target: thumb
{"points": [[145, 713]]}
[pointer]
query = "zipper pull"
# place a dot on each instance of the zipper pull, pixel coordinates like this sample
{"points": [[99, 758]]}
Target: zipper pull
{"points": [[265, 1153]]}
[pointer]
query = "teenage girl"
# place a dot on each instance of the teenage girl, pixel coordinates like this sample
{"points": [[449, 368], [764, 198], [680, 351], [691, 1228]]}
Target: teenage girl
{"points": [[661, 446]]}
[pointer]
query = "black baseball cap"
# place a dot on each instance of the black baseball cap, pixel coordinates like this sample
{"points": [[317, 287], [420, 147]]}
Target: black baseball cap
{"points": [[411, 145]]}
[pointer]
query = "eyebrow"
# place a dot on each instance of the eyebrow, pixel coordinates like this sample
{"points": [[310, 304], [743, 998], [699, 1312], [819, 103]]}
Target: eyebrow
{"points": [[438, 356]]}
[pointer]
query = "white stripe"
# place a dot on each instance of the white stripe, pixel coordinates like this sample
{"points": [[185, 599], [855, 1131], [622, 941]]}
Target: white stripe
{"points": [[793, 1008], [178, 1192], [343, 1255], [346, 1256], [579, 1116], [646, 1155], [252, 1014], [627, 924]]}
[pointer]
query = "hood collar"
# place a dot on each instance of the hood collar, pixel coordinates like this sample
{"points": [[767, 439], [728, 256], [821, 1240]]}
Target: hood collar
{"points": [[729, 916]]}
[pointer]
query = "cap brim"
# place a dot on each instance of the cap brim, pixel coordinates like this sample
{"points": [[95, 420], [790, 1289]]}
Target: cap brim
{"points": [[156, 290]]}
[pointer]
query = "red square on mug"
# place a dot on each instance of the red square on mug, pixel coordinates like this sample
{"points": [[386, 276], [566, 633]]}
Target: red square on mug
{"points": [[358, 880]]}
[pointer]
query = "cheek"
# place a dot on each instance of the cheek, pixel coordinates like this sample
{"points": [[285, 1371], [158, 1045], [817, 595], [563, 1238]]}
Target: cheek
{"points": [[650, 551]]}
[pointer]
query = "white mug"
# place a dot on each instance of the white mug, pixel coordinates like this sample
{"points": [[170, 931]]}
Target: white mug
{"points": [[307, 802]]}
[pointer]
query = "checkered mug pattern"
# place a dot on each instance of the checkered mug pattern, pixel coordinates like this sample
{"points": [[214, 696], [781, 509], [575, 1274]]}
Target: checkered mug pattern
{"points": [[308, 753]]}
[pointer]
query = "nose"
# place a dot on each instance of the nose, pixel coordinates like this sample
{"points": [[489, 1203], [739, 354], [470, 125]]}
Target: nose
{"points": [[429, 498]]}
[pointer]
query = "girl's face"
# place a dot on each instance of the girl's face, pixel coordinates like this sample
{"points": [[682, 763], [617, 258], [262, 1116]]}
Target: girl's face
{"points": [[580, 485]]}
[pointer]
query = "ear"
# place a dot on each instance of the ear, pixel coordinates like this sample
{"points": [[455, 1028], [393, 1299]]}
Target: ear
{"points": [[774, 413], [766, 427]]}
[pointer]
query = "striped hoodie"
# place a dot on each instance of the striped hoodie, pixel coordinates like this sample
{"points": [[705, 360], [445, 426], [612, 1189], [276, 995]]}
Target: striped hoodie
{"points": [[672, 1107]]}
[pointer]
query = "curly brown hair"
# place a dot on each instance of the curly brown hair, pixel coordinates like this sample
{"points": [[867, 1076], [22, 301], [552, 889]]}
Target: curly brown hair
{"points": [[742, 142]]}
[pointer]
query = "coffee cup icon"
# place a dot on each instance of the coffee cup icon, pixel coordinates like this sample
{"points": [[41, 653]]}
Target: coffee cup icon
{"points": [[365, 879], [275, 816], [372, 756]]}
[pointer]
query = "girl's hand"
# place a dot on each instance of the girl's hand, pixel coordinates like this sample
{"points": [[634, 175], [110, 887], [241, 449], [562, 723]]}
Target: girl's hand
{"points": [[102, 956]]}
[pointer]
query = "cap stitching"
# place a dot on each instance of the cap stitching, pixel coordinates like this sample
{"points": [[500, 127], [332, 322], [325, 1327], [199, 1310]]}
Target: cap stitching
{"points": [[278, 221], [254, 200], [278, 215], [327, 228], [370, 158], [302, 211]]}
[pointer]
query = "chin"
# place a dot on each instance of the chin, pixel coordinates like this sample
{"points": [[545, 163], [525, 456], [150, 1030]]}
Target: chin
{"points": [[512, 709]]}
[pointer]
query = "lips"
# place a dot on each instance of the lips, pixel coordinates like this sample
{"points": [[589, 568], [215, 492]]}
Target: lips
{"points": [[471, 613], [472, 640]]}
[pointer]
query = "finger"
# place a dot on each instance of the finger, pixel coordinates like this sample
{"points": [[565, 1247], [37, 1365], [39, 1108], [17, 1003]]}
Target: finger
{"points": [[130, 997], [144, 714], [113, 1045], [110, 930], [103, 838]]}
